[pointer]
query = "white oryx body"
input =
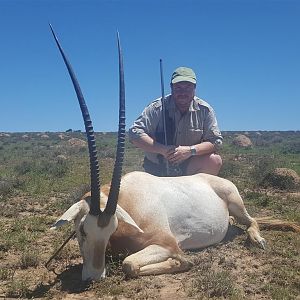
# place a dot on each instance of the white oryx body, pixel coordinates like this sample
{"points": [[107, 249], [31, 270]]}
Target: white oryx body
{"points": [[156, 218], [186, 207]]}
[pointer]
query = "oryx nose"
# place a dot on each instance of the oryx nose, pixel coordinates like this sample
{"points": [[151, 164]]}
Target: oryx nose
{"points": [[86, 275], [89, 275]]}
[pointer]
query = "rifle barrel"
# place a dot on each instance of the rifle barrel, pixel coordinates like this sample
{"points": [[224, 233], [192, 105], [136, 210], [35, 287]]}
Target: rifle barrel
{"points": [[163, 110]]}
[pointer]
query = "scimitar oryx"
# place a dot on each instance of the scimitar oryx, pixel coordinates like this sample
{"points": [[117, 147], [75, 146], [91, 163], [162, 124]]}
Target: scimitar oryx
{"points": [[154, 218]]}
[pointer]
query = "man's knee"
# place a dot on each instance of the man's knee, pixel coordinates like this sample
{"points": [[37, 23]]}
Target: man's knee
{"points": [[210, 164], [217, 161]]}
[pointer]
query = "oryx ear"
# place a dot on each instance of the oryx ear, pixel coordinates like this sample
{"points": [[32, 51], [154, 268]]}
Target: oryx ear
{"points": [[76, 211], [125, 217]]}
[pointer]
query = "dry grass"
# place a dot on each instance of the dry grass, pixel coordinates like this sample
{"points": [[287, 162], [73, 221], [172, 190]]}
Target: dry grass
{"points": [[35, 188]]}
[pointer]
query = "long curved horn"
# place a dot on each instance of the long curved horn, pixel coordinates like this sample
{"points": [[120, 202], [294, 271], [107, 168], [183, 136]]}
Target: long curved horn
{"points": [[94, 165], [111, 205]]}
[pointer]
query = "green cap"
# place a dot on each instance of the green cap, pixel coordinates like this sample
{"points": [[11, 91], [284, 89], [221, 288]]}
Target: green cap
{"points": [[183, 74]]}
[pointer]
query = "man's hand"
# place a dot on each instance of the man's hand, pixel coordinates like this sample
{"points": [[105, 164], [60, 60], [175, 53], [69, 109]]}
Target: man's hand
{"points": [[167, 151], [175, 155], [179, 154]]}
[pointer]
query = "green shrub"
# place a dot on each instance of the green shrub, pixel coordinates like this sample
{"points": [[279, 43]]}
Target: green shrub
{"points": [[18, 289], [24, 167], [291, 148], [230, 169], [7, 186], [6, 273], [54, 168], [281, 182], [29, 258], [49, 168], [262, 166], [259, 199]]}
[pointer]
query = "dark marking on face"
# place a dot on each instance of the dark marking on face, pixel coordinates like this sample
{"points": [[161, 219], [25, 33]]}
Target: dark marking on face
{"points": [[81, 229], [103, 220], [98, 258]]}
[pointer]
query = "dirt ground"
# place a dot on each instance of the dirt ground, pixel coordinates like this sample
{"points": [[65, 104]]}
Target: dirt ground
{"points": [[232, 269]]}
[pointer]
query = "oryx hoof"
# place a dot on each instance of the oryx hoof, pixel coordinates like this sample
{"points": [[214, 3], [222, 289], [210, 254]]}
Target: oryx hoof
{"points": [[262, 244], [130, 270]]}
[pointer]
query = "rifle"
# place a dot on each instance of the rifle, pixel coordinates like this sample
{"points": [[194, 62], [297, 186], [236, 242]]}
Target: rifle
{"points": [[163, 110]]}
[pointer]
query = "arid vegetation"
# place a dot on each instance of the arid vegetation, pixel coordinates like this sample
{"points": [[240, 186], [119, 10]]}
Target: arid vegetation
{"points": [[42, 176]]}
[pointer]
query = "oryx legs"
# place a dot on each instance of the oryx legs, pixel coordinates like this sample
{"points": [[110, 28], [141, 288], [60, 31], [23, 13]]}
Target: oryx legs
{"points": [[237, 209], [155, 260]]}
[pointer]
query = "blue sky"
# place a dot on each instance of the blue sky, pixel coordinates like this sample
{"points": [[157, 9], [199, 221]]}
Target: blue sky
{"points": [[245, 54]]}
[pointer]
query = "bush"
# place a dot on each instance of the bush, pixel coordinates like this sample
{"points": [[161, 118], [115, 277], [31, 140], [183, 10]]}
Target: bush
{"points": [[18, 289], [7, 186], [54, 168], [282, 178], [262, 166], [292, 148], [229, 169], [29, 258], [57, 168], [260, 200], [6, 274], [24, 167]]}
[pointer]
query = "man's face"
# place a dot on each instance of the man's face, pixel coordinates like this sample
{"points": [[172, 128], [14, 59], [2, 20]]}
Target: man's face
{"points": [[183, 93]]}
